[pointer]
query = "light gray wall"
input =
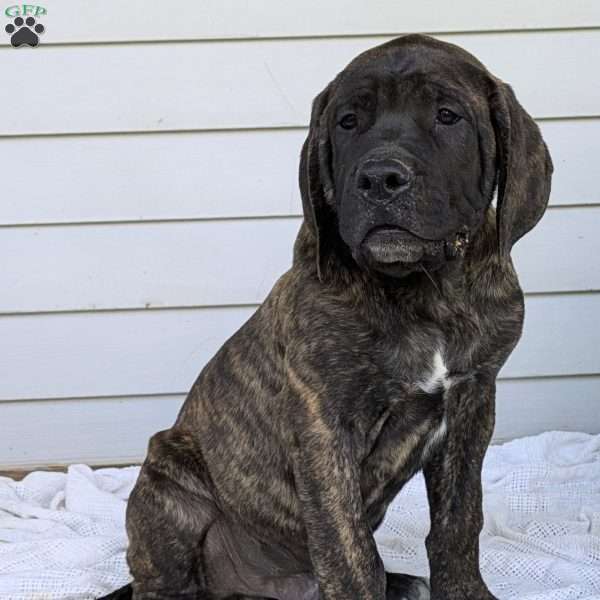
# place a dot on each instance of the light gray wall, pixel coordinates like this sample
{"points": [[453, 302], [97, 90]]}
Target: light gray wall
{"points": [[149, 201]]}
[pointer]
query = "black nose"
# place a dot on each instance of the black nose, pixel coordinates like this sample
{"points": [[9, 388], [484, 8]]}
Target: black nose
{"points": [[382, 180]]}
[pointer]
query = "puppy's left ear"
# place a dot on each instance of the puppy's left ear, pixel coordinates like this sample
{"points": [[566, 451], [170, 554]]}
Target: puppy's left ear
{"points": [[316, 182], [524, 168]]}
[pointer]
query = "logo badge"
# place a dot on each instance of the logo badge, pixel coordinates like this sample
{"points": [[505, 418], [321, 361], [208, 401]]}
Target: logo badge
{"points": [[25, 29]]}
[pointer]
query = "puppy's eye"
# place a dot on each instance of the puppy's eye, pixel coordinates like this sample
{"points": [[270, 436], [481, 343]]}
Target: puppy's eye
{"points": [[349, 121], [446, 117]]}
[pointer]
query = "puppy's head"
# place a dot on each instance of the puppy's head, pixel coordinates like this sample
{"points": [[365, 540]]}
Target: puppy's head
{"points": [[405, 149]]}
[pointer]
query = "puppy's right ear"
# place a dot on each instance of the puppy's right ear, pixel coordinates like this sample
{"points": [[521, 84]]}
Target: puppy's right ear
{"points": [[316, 181]]}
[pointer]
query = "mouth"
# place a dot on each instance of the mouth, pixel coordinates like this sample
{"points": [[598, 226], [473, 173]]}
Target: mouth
{"points": [[390, 247]]}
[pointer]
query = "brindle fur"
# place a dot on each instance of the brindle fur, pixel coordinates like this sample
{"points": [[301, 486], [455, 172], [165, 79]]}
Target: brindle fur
{"points": [[308, 421]]}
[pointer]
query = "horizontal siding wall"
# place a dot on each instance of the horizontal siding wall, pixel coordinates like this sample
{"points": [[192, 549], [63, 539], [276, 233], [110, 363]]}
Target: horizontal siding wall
{"points": [[142, 352], [150, 201], [140, 20], [181, 264], [195, 175], [258, 84], [121, 426]]}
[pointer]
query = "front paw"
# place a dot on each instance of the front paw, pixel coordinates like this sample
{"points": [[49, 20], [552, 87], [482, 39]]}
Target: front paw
{"points": [[463, 595], [461, 591]]}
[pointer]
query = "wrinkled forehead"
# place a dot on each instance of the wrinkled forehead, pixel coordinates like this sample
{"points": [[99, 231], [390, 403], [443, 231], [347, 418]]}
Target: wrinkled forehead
{"points": [[411, 62]]}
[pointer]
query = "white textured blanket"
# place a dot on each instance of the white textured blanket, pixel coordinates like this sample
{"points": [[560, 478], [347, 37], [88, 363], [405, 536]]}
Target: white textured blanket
{"points": [[62, 536]]}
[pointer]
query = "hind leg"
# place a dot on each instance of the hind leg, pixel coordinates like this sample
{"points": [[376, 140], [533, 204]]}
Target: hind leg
{"points": [[181, 545], [169, 513], [406, 587]]}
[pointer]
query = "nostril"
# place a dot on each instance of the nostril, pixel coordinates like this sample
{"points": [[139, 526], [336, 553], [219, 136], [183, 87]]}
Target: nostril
{"points": [[382, 179], [364, 183], [394, 182]]}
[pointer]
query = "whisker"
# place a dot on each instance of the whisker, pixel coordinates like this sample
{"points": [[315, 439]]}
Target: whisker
{"points": [[431, 279]]}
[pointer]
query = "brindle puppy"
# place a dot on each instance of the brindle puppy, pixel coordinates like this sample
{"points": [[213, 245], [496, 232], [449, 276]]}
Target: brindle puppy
{"points": [[373, 357]]}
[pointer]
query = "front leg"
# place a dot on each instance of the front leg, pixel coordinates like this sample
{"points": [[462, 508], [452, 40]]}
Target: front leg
{"points": [[453, 478], [327, 478]]}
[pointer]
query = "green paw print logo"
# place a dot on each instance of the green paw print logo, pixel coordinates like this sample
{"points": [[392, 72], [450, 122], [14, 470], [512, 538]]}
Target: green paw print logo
{"points": [[25, 29]]}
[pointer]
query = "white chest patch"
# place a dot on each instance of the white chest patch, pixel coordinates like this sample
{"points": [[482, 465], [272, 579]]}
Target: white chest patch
{"points": [[436, 379], [437, 376]]}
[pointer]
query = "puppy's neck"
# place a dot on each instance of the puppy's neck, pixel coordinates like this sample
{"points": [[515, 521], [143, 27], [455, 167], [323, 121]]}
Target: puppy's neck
{"points": [[339, 271]]}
